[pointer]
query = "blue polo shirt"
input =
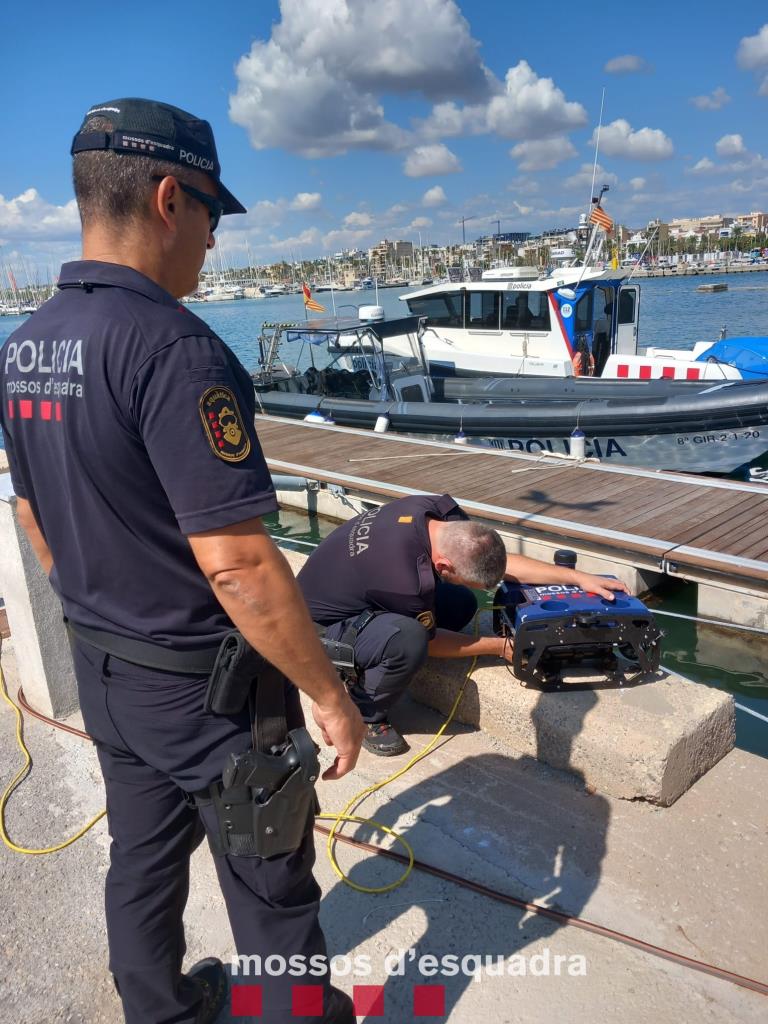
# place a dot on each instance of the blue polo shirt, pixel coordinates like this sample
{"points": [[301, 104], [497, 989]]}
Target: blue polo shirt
{"points": [[380, 560], [128, 424]]}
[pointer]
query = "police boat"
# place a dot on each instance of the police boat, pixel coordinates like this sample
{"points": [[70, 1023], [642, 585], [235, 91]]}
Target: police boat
{"points": [[346, 371]]}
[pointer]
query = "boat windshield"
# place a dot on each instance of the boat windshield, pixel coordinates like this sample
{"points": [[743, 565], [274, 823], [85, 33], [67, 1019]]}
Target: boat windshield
{"points": [[484, 309], [351, 350]]}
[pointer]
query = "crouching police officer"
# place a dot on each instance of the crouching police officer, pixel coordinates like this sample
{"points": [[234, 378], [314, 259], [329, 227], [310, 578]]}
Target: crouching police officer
{"points": [[141, 485], [395, 584]]}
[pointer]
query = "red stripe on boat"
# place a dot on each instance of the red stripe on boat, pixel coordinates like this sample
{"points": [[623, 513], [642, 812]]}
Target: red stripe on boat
{"points": [[556, 308], [668, 371], [692, 373], [645, 373], [622, 370]]}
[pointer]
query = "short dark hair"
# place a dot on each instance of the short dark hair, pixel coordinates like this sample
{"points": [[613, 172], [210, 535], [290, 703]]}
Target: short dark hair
{"points": [[114, 186], [477, 552]]}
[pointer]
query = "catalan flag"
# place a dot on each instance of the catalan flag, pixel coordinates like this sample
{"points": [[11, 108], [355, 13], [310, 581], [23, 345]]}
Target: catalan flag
{"points": [[309, 302], [600, 217]]}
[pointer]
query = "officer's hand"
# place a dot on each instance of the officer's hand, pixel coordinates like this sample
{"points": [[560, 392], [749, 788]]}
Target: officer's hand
{"points": [[343, 728], [600, 585]]}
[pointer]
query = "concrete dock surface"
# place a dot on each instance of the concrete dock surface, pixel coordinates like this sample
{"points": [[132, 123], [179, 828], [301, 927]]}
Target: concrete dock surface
{"points": [[690, 877]]}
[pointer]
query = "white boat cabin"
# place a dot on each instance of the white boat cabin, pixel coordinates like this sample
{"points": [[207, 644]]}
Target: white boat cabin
{"points": [[574, 322]]}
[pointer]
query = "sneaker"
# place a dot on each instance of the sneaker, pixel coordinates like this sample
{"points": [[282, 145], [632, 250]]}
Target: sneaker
{"points": [[341, 1009], [383, 739], [212, 978]]}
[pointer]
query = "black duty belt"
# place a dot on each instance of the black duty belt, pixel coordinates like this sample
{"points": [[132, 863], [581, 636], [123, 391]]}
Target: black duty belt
{"points": [[148, 655]]}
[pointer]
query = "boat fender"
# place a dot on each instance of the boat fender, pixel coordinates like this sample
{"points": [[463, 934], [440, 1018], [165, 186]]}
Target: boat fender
{"points": [[578, 448], [316, 416], [381, 426], [460, 438]]}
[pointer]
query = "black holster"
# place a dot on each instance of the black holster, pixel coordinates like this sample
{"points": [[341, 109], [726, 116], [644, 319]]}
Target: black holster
{"points": [[265, 803], [265, 800]]}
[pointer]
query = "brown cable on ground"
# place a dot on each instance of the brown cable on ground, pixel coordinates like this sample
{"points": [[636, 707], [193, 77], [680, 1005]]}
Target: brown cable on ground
{"points": [[49, 721], [500, 897], [560, 916]]}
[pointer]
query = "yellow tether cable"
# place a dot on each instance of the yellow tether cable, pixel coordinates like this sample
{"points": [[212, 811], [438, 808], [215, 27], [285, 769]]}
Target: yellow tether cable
{"points": [[343, 815], [337, 819], [21, 774]]}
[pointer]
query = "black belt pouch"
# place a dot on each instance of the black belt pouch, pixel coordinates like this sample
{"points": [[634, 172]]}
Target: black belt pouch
{"points": [[233, 675]]}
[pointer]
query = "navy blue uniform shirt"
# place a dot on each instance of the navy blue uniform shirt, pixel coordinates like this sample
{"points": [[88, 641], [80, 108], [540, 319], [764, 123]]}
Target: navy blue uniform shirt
{"points": [[128, 424], [380, 560]]}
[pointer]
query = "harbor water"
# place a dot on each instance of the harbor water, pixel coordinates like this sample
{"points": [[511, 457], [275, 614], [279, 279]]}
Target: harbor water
{"points": [[672, 315]]}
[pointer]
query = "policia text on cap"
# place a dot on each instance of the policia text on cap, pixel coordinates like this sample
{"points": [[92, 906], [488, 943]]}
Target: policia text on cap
{"points": [[141, 486]]}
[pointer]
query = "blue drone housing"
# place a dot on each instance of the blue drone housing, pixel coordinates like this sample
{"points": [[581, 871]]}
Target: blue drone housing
{"points": [[560, 626]]}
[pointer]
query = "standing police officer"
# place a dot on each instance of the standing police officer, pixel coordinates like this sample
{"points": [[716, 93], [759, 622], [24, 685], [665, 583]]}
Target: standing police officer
{"points": [[401, 577], [141, 485]]}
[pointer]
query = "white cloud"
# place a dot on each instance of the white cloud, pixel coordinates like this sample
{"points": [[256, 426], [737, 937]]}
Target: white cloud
{"points": [[730, 145], [357, 220], [713, 101], [307, 239], [524, 186], [583, 178], [342, 239], [522, 210], [532, 107], [542, 154], [312, 88], [396, 210], [420, 222], [626, 64], [306, 201], [431, 160], [638, 184], [618, 139], [448, 119], [702, 166], [753, 50], [524, 106], [434, 196], [28, 216]]}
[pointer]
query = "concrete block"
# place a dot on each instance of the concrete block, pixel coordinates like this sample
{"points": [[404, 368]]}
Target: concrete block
{"points": [[742, 607], [647, 741], [35, 619]]}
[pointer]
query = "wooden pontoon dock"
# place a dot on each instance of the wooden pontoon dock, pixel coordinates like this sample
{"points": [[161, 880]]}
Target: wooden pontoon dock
{"points": [[710, 531]]}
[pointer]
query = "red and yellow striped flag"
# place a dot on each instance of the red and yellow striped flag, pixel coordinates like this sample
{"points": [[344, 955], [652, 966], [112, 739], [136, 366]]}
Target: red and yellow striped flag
{"points": [[599, 216], [309, 302]]}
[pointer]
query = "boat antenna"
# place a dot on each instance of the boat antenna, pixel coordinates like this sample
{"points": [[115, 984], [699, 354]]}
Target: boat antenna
{"points": [[597, 147], [596, 200], [570, 293]]}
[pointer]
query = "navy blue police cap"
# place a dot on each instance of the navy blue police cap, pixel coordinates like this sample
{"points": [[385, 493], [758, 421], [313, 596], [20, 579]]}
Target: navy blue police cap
{"points": [[149, 128]]}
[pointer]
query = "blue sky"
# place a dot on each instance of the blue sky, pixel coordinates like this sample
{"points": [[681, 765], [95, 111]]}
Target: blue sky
{"points": [[340, 122]]}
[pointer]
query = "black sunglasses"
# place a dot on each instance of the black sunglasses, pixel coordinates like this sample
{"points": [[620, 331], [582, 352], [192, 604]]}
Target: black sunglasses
{"points": [[214, 206]]}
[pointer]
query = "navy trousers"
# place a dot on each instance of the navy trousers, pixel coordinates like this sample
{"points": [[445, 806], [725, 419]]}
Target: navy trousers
{"points": [[155, 743], [392, 647]]}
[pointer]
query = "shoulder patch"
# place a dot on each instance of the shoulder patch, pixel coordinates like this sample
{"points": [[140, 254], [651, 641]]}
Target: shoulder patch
{"points": [[405, 519], [427, 619], [223, 425]]}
